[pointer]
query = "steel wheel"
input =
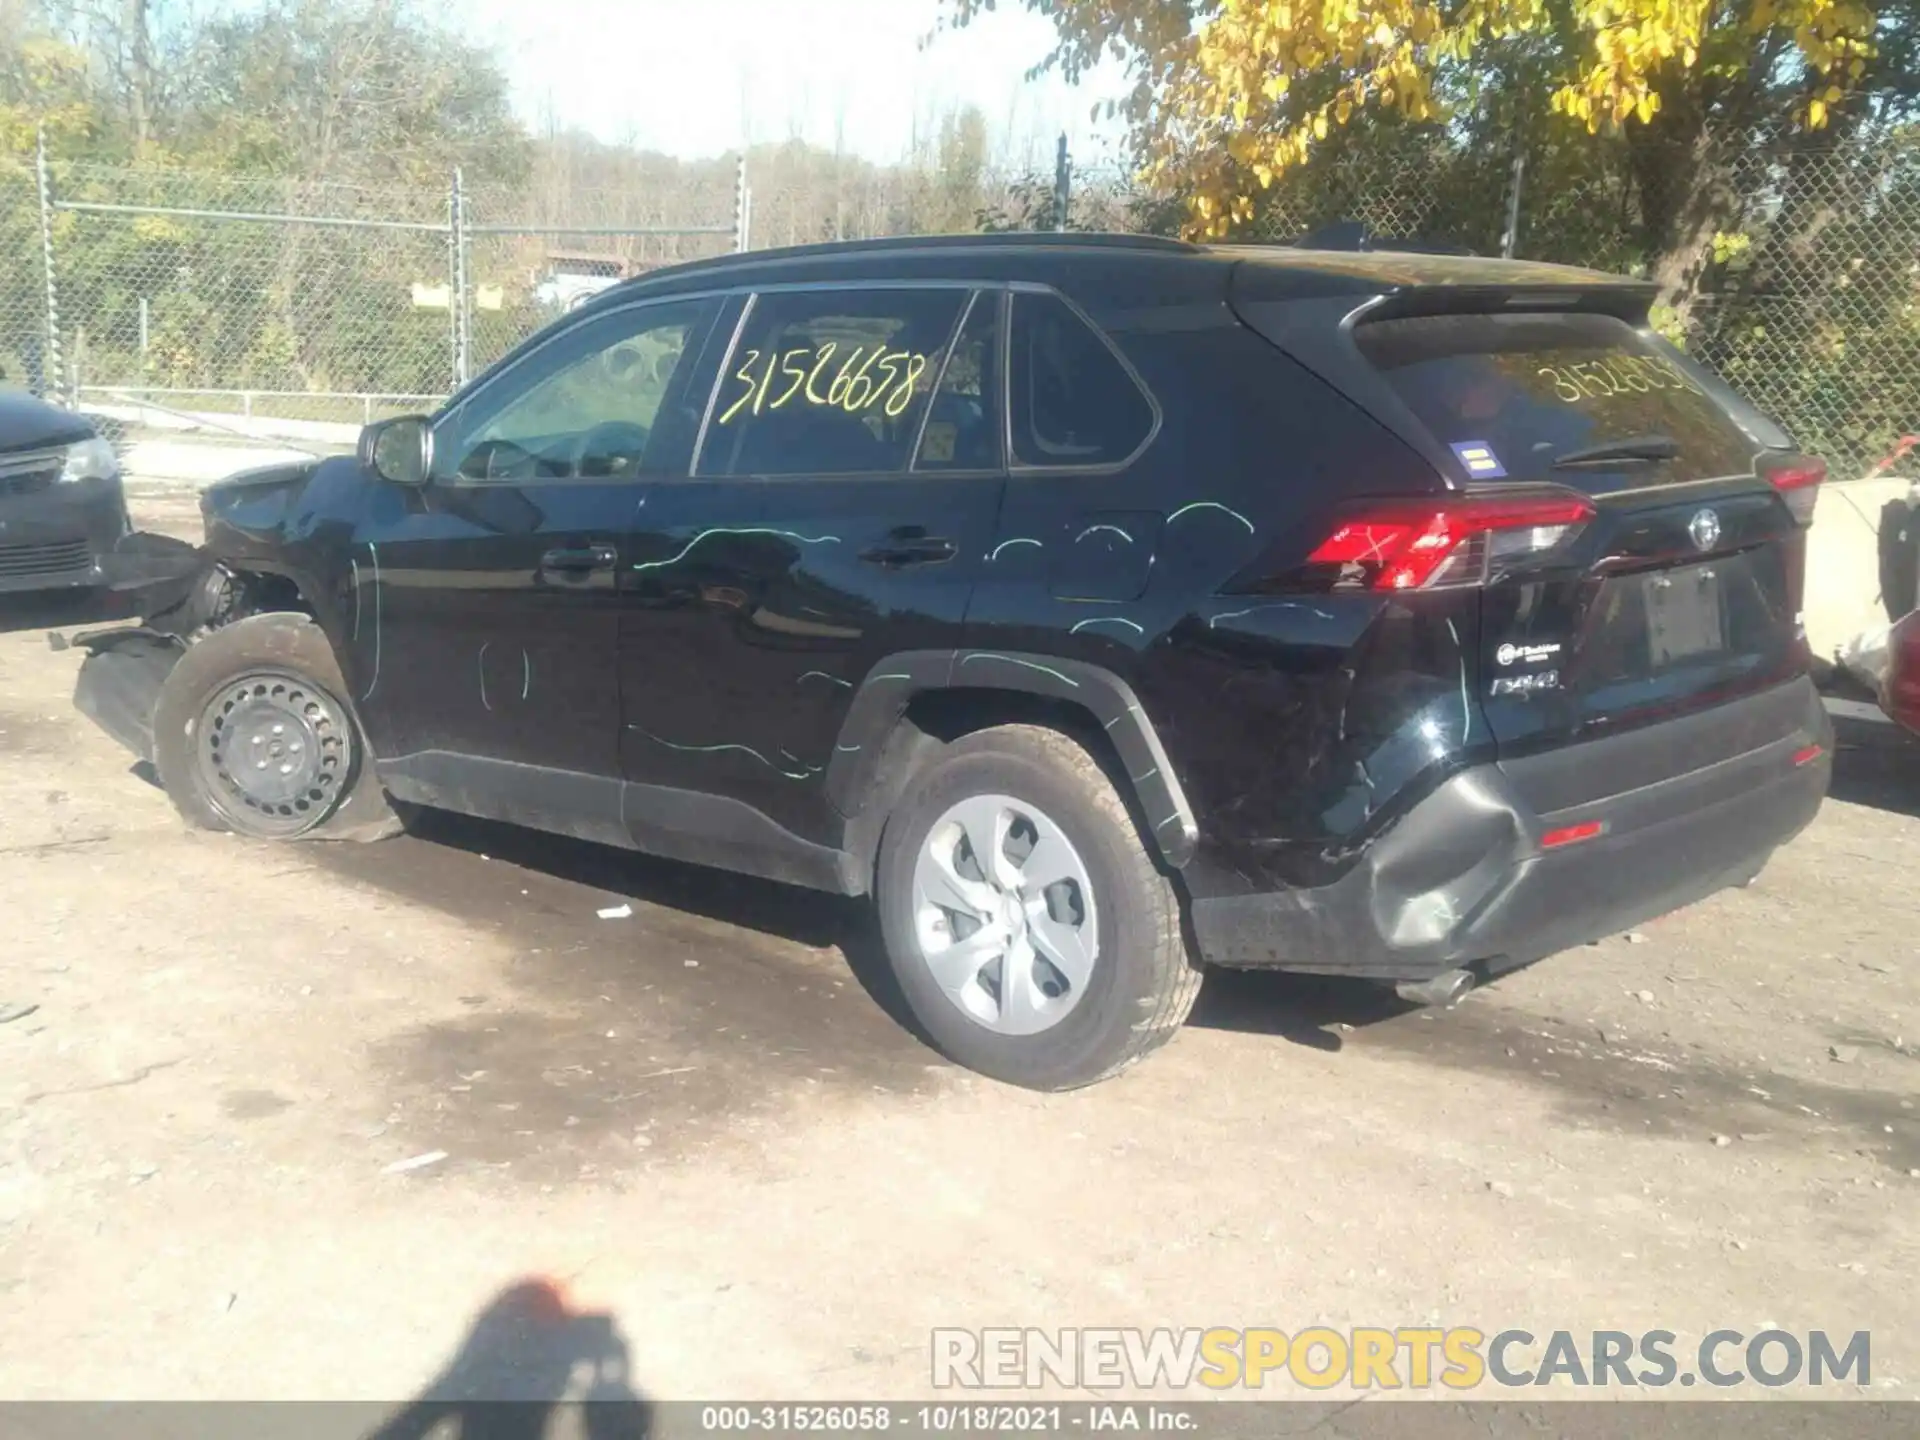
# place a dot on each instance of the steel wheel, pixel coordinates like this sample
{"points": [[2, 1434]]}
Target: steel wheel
{"points": [[275, 753], [1004, 914]]}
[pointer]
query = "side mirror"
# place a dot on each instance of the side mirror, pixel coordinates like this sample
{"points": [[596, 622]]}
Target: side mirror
{"points": [[399, 450]]}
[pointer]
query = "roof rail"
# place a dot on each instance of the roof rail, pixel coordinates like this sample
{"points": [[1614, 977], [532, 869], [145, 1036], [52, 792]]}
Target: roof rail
{"points": [[999, 239]]}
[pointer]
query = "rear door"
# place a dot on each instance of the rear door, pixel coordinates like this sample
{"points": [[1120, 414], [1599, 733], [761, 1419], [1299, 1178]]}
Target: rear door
{"points": [[1079, 535], [846, 486]]}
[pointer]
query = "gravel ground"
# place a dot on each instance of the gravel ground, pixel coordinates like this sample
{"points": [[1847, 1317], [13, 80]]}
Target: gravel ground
{"points": [[706, 1124]]}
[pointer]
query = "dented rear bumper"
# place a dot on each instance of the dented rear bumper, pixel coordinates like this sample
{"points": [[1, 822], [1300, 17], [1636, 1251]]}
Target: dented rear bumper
{"points": [[1678, 811]]}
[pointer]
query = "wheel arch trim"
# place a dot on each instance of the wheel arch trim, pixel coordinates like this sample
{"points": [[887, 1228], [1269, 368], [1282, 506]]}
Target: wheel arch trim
{"points": [[881, 701]]}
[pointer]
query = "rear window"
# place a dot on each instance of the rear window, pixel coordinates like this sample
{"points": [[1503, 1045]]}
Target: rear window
{"points": [[1074, 404], [1512, 393]]}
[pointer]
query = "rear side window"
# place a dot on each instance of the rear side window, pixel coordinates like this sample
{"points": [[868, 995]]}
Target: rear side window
{"points": [[829, 382], [1072, 402], [963, 425], [1511, 394]]}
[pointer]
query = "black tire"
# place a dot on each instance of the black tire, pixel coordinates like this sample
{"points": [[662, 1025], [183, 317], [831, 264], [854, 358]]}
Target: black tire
{"points": [[291, 654], [1143, 982]]}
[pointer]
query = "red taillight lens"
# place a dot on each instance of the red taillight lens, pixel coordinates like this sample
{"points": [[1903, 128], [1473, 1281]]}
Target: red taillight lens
{"points": [[1900, 691], [1572, 834], [1798, 479], [1448, 540]]}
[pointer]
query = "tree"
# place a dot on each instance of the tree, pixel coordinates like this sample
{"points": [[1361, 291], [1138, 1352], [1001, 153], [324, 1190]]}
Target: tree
{"points": [[358, 90], [1229, 96], [959, 169], [43, 82], [112, 40], [359, 108]]}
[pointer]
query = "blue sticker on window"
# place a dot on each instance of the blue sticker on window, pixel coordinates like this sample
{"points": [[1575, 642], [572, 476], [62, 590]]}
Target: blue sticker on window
{"points": [[1478, 457]]}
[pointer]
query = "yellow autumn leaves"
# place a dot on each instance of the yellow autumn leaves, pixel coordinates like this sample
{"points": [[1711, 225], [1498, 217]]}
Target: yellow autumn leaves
{"points": [[1223, 106]]}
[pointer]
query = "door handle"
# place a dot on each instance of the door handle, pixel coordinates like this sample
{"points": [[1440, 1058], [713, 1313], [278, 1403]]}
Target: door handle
{"points": [[580, 557], [907, 547]]}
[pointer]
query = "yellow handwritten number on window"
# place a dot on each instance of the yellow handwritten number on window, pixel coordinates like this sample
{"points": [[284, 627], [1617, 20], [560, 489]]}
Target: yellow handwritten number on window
{"points": [[867, 379], [1616, 375]]}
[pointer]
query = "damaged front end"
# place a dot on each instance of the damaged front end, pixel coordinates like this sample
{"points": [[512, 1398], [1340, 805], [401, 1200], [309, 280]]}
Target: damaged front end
{"points": [[180, 592]]}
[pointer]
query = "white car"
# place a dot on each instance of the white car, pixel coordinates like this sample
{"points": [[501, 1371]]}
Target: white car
{"points": [[572, 280]]}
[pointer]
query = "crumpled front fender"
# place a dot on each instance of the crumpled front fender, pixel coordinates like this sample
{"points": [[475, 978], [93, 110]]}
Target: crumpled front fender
{"points": [[120, 681], [169, 584], [153, 575]]}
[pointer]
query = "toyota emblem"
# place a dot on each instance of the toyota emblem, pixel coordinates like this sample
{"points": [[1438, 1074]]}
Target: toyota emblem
{"points": [[1704, 527]]}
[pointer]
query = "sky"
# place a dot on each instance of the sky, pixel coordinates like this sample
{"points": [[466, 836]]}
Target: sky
{"points": [[699, 77]]}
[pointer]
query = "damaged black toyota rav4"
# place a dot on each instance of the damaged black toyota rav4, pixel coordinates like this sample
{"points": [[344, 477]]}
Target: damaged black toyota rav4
{"points": [[1100, 606]]}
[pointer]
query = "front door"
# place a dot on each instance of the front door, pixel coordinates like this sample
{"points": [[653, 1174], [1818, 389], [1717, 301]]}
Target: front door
{"points": [[846, 491], [488, 637]]}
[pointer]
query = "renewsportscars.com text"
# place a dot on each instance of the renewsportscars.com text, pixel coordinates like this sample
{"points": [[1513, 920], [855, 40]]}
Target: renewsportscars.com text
{"points": [[1416, 1358]]}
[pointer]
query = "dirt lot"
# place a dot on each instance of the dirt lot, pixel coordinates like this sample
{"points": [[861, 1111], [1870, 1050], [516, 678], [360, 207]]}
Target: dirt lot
{"points": [[705, 1122]]}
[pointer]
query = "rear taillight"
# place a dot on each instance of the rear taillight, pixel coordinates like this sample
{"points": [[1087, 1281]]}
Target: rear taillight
{"points": [[1448, 540], [1798, 479], [1572, 834], [1900, 691]]}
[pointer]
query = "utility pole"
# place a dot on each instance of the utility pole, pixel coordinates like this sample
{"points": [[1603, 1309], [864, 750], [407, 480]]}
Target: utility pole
{"points": [[742, 206], [458, 303], [137, 24], [1511, 237], [50, 356], [1062, 182]]}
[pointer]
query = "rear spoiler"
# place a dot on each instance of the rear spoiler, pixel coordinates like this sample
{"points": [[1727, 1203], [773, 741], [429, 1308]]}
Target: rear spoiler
{"points": [[1425, 280], [1628, 300]]}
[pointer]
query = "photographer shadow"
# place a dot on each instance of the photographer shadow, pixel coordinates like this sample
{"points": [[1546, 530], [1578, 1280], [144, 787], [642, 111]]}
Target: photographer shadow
{"points": [[531, 1368]]}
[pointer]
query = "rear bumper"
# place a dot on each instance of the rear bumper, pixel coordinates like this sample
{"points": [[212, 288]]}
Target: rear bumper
{"points": [[120, 682], [1689, 807]]}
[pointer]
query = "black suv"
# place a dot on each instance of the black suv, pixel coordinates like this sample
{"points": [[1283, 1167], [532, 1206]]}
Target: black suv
{"points": [[1100, 605]]}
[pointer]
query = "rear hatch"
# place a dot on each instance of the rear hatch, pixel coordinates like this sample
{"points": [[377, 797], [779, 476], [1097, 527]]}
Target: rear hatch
{"points": [[1676, 587]]}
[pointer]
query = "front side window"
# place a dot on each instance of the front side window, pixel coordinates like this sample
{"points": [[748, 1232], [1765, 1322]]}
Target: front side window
{"points": [[584, 407], [829, 382], [1073, 402]]}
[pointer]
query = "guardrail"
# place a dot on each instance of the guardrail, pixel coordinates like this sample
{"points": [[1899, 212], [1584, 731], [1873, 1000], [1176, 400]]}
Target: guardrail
{"points": [[248, 400]]}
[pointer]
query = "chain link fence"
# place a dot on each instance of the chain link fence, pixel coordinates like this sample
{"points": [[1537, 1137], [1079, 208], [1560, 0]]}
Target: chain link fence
{"points": [[1808, 300], [1400, 194], [1816, 309], [530, 256], [331, 304], [223, 293], [262, 306], [23, 302]]}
